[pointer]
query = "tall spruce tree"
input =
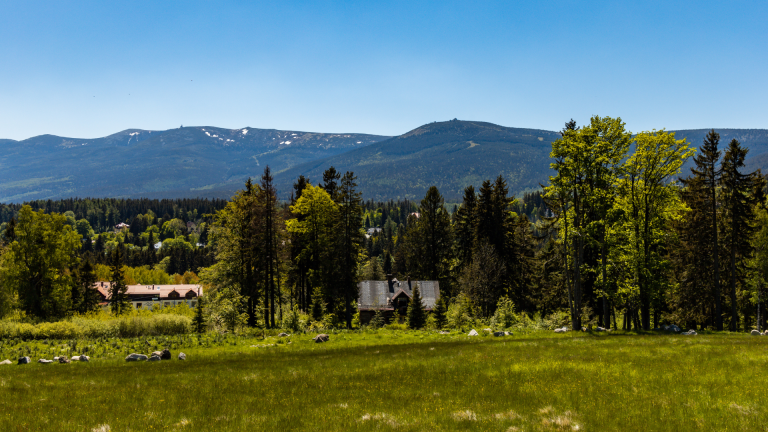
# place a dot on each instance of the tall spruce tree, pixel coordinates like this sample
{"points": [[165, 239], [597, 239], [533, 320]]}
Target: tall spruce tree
{"points": [[439, 312], [118, 298], [85, 285], [199, 320], [350, 242], [692, 302], [706, 169], [738, 219], [269, 227], [465, 226], [430, 238], [416, 316]]}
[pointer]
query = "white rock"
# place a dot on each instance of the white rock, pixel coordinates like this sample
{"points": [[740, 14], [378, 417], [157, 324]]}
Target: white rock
{"points": [[5, 362], [488, 330], [473, 333], [136, 357], [754, 333], [44, 361]]}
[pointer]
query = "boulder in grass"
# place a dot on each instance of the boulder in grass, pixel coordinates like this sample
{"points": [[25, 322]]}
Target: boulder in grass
{"points": [[165, 355], [755, 333], [45, 361], [444, 332], [156, 353], [24, 360], [283, 335], [766, 333], [182, 356], [5, 362], [488, 330], [154, 358], [321, 338], [84, 358], [473, 332], [63, 360], [499, 333], [136, 357]]}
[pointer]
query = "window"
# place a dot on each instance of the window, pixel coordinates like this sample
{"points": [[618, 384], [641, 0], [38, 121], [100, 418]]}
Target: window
{"points": [[138, 305]]}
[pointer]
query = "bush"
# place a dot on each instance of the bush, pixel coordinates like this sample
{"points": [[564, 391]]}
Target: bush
{"points": [[557, 319], [94, 327], [505, 316], [461, 312], [394, 325]]}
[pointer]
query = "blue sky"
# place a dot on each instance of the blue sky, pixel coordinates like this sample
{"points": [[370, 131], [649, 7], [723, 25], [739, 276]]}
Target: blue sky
{"points": [[88, 69]]}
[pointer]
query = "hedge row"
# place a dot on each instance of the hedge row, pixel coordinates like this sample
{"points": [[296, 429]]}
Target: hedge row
{"points": [[134, 326]]}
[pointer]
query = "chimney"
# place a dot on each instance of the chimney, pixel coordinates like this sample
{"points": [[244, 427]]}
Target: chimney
{"points": [[389, 282], [409, 284]]}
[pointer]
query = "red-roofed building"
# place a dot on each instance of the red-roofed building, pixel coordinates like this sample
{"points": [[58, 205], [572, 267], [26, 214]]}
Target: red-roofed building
{"points": [[147, 296]]}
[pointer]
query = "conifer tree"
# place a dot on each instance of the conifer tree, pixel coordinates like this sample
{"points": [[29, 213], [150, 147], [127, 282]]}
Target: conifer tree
{"points": [[439, 312], [85, 296], [430, 237], [416, 316], [199, 321], [317, 308], [706, 170], [349, 244], [465, 226], [739, 218], [118, 288]]}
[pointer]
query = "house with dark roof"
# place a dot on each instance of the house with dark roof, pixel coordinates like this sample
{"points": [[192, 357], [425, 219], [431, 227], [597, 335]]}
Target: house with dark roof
{"points": [[392, 296]]}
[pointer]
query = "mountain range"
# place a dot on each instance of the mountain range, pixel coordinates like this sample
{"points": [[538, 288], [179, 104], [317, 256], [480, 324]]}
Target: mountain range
{"points": [[214, 162]]}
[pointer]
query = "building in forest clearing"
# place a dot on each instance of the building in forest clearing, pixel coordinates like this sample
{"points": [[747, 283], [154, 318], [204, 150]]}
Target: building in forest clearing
{"points": [[147, 296], [393, 295]]}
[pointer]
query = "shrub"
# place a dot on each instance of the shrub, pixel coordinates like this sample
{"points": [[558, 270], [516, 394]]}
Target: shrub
{"points": [[461, 312], [95, 327], [557, 319], [505, 316], [293, 320], [394, 325], [377, 321]]}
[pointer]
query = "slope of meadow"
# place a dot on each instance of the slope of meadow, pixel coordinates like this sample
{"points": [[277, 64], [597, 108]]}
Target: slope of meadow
{"points": [[401, 380]]}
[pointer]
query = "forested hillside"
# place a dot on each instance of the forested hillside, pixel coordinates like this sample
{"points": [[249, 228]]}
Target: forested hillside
{"points": [[450, 155], [187, 162]]}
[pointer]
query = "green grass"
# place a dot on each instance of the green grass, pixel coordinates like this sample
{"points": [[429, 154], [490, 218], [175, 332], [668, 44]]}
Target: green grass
{"points": [[408, 381]]}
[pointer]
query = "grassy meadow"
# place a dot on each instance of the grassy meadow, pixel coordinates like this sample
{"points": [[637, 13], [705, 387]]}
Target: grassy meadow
{"points": [[394, 380]]}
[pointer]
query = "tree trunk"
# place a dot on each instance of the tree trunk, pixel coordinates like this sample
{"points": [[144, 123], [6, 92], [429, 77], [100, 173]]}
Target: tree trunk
{"points": [[718, 305], [734, 312], [606, 309]]}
